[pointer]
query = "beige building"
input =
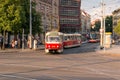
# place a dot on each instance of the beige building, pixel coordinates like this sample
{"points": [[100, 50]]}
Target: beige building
{"points": [[49, 12]]}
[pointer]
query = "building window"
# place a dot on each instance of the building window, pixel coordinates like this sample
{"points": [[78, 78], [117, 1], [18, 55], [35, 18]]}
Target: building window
{"points": [[69, 21], [69, 12], [69, 3]]}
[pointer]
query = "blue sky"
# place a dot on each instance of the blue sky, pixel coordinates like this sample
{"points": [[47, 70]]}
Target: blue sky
{"points": [[93, 7]]}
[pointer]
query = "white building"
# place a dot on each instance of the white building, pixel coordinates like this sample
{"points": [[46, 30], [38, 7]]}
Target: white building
{"points": [[85, 22]]}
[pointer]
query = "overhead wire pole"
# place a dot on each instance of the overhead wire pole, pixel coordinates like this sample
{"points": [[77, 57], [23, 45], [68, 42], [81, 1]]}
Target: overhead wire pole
{"points": [[104, 39], [101, 29], [30, 37]]}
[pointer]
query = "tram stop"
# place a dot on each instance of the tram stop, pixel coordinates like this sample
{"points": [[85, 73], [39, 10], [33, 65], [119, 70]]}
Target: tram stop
{"points": [[108, 40]]}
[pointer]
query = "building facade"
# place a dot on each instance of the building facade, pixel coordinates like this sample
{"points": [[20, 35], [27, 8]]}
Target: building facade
{"points": [[85, 22], [69, 16], [116, 18], [49, 12]]}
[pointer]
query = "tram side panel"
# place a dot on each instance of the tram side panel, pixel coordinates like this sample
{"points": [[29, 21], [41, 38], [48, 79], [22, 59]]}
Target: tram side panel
{"points": [[72, 40]]}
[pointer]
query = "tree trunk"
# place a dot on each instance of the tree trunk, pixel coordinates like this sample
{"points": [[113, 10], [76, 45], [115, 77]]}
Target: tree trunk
{"points": [[4, 38]]}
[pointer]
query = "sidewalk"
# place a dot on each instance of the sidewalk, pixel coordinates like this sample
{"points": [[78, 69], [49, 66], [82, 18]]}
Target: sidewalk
{"points": [[114, 50], [14, 50]]}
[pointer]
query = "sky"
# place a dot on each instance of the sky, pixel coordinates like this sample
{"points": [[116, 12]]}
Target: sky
{"points": [[93, 7]]}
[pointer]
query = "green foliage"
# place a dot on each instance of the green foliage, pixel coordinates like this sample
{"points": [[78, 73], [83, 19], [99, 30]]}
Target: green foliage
{"points": [[117, 28], [97, 26], [26, 7], [36, 20], [12, 15], [108, 23]]}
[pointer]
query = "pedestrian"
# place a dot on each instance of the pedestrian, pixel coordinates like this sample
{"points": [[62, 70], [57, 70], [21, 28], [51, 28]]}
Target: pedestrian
{"points": [[28, 43], [12, 44], [16, 43]]}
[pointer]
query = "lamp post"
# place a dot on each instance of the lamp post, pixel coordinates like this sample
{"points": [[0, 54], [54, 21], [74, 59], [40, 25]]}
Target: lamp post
{"points": [[30, 36]]}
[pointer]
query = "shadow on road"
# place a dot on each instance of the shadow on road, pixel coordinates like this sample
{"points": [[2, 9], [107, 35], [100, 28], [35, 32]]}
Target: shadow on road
{"points": [[85, 48]]}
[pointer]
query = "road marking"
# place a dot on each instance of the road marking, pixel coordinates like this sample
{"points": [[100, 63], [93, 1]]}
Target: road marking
{"points": [[103, 73], [13, 76]]}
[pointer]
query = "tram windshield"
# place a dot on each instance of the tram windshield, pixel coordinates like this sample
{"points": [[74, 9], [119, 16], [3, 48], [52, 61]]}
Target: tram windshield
{"points": [[53, 39]]}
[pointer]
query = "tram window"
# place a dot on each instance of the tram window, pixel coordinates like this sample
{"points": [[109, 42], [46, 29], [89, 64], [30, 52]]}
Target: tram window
{"points": [[71, 37], [65, 37], [76, 37], [68, 38]]}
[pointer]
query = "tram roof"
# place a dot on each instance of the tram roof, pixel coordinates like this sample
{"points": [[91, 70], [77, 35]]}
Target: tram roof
{"points": [[54, 33]]}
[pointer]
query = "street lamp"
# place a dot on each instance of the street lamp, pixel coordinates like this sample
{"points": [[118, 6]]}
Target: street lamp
{"points": [[30, 36]]}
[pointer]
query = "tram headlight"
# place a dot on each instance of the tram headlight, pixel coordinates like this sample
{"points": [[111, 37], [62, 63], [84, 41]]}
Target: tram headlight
{"points": [[48, 46], [57, 46]]}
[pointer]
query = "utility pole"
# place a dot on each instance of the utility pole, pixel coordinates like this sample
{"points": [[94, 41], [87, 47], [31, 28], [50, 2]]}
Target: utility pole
{"points": [[30, 37], [104, 40], [102, 30]]}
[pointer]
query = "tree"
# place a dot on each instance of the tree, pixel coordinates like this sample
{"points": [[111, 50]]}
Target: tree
{"points": [[36, 18], [117, 28], [108, 24], [14, 17], [96, 26], [11, 17]]}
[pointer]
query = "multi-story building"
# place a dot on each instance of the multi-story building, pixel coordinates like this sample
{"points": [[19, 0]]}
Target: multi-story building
{"points": [[49, 13], [69, 16], [85, 22], [116, 18]]}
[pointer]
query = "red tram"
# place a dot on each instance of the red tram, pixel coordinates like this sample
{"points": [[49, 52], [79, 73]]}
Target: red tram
{"points": [[72, 40], [57, 41]]}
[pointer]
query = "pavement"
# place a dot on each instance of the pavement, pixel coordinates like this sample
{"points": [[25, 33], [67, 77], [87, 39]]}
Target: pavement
{"points": [[14, 50], [114, 50]]}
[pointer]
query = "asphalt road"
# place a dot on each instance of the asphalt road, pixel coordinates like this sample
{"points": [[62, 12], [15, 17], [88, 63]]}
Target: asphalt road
{"points": [[80, 63]]}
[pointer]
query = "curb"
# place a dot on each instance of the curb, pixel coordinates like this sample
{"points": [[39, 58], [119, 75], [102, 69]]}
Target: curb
{"points": [[9, 51]]}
